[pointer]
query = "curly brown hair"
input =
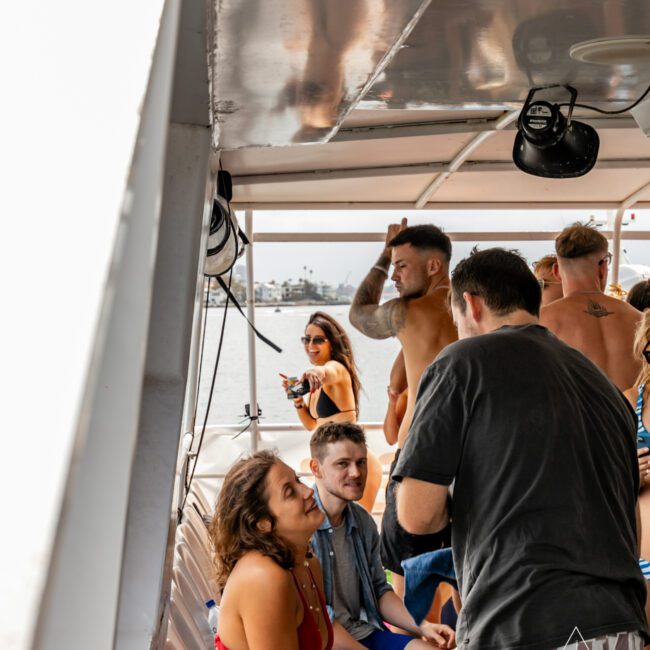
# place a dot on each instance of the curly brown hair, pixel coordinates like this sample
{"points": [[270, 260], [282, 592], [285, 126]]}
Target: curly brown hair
{"points": [[242, 505], [341, 348]]}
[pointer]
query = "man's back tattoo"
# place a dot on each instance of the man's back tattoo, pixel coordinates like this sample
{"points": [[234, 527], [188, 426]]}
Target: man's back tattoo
{"points": [[596, 309]]}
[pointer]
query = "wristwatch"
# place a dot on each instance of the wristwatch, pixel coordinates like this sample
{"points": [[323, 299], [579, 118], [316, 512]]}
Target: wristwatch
{"points": [[299, 405]]}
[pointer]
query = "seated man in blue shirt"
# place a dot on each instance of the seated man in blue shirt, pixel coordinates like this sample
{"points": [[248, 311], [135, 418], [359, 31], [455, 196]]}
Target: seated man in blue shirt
{"points": [[359, 599]]}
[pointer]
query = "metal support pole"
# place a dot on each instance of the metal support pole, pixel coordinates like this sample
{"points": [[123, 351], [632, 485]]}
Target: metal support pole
{"points": [[250, 312], [618, 222]]}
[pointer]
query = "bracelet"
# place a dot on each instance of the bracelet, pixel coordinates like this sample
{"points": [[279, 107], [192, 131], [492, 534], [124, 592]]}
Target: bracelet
{"points": [[380, 268], [299, 405]]}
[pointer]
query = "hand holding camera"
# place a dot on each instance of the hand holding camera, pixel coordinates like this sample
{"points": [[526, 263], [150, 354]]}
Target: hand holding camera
{"points": [[294, 387]]}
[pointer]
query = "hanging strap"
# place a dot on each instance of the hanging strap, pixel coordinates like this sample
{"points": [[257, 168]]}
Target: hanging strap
{"points": [[259, 335]]}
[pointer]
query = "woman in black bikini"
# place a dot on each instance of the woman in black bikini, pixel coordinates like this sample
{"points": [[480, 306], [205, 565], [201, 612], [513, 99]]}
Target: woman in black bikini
{"points": [[333, 387]]}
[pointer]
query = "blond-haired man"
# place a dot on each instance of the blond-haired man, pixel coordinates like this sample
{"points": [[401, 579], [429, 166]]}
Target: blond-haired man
{"points": [[601, 327]]}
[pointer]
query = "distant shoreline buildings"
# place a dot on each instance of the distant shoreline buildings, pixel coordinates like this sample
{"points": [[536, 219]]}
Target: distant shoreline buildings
{"points": [[286, 292]]}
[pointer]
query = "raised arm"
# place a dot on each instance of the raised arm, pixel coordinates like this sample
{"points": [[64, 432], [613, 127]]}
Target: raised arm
{"points": [[366, 314]]}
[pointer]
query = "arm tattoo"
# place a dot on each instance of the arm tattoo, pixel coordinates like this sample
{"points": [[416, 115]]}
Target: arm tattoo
{"points": [[367, 315]]}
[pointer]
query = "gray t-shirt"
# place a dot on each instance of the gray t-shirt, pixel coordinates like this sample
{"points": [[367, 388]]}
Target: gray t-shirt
{"points": [[346, 592], [542, 449]]}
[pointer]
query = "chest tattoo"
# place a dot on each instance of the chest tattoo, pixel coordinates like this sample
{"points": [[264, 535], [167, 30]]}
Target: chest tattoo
{"points": [[596, 309]]}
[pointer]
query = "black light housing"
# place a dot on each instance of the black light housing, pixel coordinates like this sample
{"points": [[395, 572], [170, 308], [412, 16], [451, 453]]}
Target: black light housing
{"points": [[548, 144]]}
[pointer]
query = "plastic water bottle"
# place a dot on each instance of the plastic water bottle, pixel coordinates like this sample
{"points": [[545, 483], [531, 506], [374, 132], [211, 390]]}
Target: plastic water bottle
{"points": [[213, 615]]}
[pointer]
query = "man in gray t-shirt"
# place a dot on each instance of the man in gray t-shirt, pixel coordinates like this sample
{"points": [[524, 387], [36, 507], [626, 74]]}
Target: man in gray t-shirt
{"points": [[358, 597]]}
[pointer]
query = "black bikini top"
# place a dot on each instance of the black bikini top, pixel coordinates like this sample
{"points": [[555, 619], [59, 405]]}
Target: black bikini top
{"points": [[325, 406]]}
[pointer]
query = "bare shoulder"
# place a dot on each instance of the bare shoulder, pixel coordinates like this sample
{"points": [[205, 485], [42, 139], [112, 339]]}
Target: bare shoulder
{"points": [[256, 570], [432, 307], [631, 395], [548, 314]]}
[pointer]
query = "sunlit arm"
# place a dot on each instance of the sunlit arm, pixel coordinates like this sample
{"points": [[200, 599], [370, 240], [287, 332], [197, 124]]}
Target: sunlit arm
{"points": [[422, 506]]}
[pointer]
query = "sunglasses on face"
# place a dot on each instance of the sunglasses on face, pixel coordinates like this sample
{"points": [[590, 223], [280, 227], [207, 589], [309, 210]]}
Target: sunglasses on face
{"points": [[646, 353], [545, 284], [316, 340], [607, 260]]}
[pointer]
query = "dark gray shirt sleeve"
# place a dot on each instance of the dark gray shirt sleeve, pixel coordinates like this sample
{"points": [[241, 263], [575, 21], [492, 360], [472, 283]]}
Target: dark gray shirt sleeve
{"points": [[433, 447]]}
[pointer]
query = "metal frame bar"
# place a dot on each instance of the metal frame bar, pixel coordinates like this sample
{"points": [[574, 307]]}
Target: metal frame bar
{"points": [[315, 237], [252, 350], [472, 125], [269, 206], [462, 156], [618, 221], [81, 595], [410, 169]]}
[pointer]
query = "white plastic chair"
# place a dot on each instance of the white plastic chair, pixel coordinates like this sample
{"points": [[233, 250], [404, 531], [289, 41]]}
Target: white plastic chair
{"points": [[205, 508], [193, 602], [204, 583], [202, 555], [186, 629], [193, 519], [173, 640]]}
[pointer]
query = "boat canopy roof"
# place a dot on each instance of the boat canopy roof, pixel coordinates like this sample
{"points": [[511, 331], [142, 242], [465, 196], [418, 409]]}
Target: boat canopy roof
{"points": [[413, 104]]}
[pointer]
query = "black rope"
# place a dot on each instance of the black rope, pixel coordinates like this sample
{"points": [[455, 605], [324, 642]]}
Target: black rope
{"points": [[251, 419], [616, 112], [198, 384], [188, 483]]}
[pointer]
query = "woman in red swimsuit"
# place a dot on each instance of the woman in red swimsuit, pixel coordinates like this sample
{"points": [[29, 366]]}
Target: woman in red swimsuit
{"points": [[272, 586], [334, 387]]}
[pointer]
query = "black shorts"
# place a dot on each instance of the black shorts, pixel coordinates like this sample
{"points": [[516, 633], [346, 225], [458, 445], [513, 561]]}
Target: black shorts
{"points": [[396, 544]]}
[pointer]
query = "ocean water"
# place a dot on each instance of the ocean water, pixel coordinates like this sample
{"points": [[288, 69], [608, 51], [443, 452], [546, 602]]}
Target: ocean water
{"points": [[374, 359]]}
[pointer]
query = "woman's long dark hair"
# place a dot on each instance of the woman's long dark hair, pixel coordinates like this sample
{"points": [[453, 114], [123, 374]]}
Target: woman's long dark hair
{"points": [[242, 505], [341, 348]]}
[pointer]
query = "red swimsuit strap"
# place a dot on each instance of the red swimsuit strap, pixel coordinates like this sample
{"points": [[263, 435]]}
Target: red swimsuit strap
{"points": [[309, 636]]}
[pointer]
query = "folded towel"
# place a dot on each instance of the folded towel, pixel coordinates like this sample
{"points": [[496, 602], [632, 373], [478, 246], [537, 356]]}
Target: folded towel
{"points": [[422, 575]]}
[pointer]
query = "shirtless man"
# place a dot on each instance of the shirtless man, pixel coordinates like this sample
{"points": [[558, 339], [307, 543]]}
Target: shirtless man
{"points": [[421, 320], [601, 327]]}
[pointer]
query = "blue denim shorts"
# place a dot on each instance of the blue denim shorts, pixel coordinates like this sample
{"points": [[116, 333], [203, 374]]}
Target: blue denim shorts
{"points": [[384, 640]]}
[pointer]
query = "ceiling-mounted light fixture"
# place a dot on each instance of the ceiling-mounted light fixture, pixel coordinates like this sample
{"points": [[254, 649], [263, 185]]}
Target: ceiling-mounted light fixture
{"points": [[550, 145], [613, 50]]}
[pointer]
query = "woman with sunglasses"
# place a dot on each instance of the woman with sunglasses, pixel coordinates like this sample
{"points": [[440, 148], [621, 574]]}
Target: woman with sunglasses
{"points": [[334, 387], [639, 397]]}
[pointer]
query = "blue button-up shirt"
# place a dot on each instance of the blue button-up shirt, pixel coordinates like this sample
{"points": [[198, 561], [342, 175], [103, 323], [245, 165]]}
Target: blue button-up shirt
{"points": [[360, 527]]}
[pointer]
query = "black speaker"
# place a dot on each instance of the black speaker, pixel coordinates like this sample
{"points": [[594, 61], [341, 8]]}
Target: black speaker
{"points": [[550, 145]]}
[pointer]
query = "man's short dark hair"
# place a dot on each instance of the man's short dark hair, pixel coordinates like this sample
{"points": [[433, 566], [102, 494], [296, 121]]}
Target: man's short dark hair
{"points": [[426, 237], [579, 240], [501, 277], [333, 432]]}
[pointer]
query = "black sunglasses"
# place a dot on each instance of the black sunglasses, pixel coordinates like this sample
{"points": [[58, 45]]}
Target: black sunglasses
{"points": [[316, 340], [646, 353], [545, 284], [607, 260]]}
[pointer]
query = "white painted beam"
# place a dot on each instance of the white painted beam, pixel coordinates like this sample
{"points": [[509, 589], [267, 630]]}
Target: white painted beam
{"points": [[410, 169], [474, 125], [433, 206], [315, 237]]}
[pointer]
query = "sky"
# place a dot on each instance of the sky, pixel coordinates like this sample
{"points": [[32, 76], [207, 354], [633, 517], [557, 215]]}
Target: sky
{"points": [[336, 263]]}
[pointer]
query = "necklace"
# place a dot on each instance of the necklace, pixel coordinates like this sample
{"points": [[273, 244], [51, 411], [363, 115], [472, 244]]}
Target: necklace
{"points": [[311, 594]]}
